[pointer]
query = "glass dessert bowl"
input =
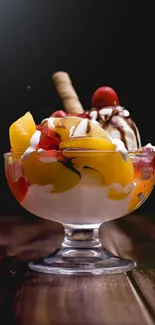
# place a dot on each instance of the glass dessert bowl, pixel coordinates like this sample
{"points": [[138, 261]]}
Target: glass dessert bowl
{"points": [[81, 189]]}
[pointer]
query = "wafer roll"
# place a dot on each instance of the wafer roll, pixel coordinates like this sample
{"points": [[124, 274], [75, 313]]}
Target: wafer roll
{"points": [[67, 93]]}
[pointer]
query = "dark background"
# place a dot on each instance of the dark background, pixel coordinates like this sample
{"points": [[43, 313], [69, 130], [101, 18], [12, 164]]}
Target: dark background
{"points": [[96, 42]]}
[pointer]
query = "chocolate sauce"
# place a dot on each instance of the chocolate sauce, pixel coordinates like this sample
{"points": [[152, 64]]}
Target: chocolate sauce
{"points": [[120, 129], [105, 123], [88, 127], [133, 127]]}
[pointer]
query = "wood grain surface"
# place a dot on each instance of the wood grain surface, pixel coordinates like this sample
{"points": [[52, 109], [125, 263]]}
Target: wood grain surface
{"points": [[29, 298]]}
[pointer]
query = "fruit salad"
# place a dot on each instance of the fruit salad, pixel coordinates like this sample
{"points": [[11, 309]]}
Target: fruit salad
{"points": [[70, 169]]}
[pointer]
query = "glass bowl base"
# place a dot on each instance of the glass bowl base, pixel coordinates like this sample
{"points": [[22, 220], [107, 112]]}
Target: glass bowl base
{"points": [[82, 261]]}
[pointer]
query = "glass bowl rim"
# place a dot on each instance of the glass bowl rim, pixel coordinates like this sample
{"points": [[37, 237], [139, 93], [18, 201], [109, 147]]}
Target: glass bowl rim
{"points": [[70, 150]]}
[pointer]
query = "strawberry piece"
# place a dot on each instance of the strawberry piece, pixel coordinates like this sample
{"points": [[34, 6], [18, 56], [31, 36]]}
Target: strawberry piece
{"points": [[19, 188], [48, 142], [59, 113], [49, 139], [104, 97], [64, 114], [82, 115], [144, 167], [147, 149], [17, 183]]}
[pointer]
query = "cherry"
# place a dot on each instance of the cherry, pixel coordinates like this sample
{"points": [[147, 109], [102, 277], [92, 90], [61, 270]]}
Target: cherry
{"points": [[104, 96]]}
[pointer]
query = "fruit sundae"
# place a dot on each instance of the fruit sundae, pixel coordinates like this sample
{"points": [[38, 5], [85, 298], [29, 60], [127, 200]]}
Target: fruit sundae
{"points": [[74, 165]]}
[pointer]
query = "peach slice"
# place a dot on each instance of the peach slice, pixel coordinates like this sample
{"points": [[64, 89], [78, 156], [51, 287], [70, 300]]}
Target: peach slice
{"points": [[91, 143], [52, 172], [112, 166], [65, 126], [21, 131], [141, 191]]}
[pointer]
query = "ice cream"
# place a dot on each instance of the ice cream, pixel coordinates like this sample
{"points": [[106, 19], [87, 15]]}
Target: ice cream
{"points": [[117, 122], [114, 118]]}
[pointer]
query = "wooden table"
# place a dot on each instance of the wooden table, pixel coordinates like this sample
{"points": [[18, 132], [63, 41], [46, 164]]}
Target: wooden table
{"points": [[28, 298]]}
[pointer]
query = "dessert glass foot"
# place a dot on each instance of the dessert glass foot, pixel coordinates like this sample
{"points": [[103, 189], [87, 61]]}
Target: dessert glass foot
{"points": [[82, 253]]}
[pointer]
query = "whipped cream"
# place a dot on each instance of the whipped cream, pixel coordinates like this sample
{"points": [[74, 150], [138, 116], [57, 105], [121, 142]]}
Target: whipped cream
{"points": [[50, 122], [33, 144], [150, 146], [81, 129], [120, 147], [44, 120], [120, 129]]}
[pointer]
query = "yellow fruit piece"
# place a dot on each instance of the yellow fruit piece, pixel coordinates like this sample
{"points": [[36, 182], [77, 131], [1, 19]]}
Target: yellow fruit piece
{"points": [[66, 126], [55, 173], [96, 130], [142, 190], [90, 143], [21, 131], [112, 166]]}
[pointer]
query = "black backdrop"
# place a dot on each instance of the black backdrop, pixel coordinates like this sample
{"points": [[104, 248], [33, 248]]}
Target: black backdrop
{"points": [[97, 42]]}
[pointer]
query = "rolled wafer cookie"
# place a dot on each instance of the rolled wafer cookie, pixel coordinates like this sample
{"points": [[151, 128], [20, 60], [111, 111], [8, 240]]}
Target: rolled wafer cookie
{"points": [[67, 93]]}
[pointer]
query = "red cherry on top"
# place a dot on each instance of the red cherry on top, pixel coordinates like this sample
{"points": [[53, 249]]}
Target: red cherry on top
{"points": [[104, 96]]}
